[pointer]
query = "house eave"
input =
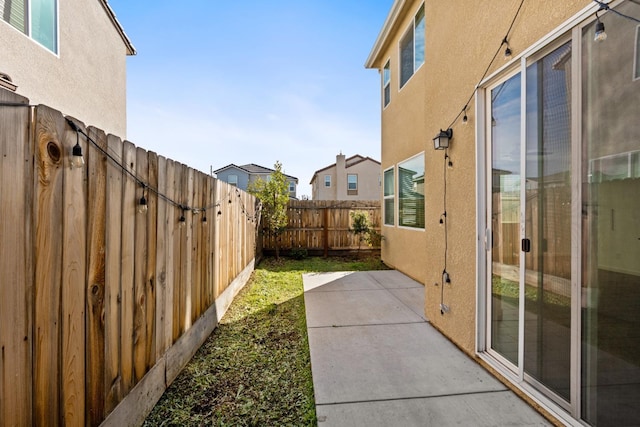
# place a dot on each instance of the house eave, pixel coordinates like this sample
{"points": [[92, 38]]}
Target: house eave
{"points": [[388, 25], [131, 50]]}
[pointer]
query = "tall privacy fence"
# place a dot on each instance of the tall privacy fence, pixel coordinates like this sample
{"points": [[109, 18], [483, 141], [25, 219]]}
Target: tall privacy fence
{"points": [[323, 227], [102, 305]]}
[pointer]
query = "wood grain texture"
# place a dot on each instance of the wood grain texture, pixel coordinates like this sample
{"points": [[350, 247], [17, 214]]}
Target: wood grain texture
{"points": [[16, 262], [74, 279], [113, 260], [162, 234], [179, 232], [96, 273], [50, 167], [171, 230], [140, 272], [151, 277], [127, 268]]}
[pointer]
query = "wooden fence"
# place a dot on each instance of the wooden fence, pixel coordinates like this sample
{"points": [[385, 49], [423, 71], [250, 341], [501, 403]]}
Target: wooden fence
{"points": [[322, 226], [101, 306]]}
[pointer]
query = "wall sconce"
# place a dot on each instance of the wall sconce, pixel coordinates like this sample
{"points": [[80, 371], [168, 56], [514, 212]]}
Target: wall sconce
{"points": [[441, 141]]}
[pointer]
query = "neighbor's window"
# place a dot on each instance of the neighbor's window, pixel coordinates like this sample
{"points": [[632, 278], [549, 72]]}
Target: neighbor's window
{"points": [[412, 48], [411, 192], [389, 197], [636, 64], [233, 180], [386, 84], [327, 180], [37, 19], [352, 182], [292, 186]]}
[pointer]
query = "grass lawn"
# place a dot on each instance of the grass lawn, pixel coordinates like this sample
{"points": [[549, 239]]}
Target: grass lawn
{"points": [[255, 369]]}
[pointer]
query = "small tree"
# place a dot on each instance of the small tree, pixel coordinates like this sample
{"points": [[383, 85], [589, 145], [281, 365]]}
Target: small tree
{"points": [[363, 229], [274, 195]]}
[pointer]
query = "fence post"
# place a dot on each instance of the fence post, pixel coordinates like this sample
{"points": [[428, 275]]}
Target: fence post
{"points": [[325, 231]]}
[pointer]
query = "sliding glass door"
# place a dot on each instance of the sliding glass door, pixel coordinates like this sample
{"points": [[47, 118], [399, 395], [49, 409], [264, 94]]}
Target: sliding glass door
{"points": [[562, 186]]}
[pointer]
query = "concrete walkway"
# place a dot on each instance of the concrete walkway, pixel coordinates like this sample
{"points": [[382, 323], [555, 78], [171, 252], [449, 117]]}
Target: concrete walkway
{"points": [[376, 361]]}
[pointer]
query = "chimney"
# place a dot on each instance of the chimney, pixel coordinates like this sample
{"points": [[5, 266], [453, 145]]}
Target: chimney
{"points": [[341, 177]]}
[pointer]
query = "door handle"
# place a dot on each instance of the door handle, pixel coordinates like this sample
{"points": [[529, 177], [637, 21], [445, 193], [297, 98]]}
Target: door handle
{"points": [[526, 245]]}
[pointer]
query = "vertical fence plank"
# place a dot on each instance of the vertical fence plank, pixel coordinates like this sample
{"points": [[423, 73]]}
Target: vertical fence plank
{"points": [[16, 263], [96, 258], [171, 227], [50, 160], [161, 260], [188, 245], [113, 262], [74, 242], [127, 268], [152, 241], [140, 273], [178, 255], [196, 250]]}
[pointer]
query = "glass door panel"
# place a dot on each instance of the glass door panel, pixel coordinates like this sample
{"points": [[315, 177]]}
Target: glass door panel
{"points": [[504, 261], [547, 283], [610, 178]]}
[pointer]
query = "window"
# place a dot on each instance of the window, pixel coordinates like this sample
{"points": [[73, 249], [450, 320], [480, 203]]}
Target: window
{"points": [[292, 187], [411, 192], [233, 180], [412, 48], [37, 19], [327, 180], [636, 63], [389, 197], [386, 84], [352, 182]]}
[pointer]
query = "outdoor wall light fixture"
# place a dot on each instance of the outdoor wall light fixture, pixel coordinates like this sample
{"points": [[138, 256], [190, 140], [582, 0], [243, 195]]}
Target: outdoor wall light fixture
{"points": [[442, 139], [507, 51], [600, 34]]}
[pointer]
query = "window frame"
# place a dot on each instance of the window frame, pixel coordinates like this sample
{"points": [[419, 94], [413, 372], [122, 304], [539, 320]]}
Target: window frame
{"points": [[28, 26], [391, 197], [292, 187], [327, 181], [386, 84], [398, 190], [349, 175], [230, 181], [412, 31]]}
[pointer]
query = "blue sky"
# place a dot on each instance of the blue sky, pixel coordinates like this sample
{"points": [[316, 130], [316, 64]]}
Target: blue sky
{"points": [[253, 81]]}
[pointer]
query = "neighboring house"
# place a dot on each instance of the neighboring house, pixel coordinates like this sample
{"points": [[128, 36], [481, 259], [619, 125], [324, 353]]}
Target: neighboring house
{"points": [[355, 178], [525, 230], [242, 176], [69, 55]]}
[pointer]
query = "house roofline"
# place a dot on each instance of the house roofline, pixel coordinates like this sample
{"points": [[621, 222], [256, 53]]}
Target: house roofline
{"points": [[254, 173], [131, 50], [345, 162], [381, 40]]}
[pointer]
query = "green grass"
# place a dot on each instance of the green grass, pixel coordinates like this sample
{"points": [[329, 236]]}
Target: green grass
{"points": [[255, 368]]}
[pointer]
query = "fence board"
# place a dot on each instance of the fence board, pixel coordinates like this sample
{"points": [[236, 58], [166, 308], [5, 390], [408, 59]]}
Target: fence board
{"points": [[96, 272], [113, 250], [171, 256], [16, 264], [178, 239], [74, 276], [151, 282], [140, 272], [127, 268], [50, 161], [161, 261]]}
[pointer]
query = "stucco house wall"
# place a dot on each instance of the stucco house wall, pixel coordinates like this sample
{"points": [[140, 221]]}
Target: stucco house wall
{"points": [[367, 170], [86, 78]]}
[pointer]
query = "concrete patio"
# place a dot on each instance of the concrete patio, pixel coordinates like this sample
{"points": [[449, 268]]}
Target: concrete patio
{"points": [[376, 360]]}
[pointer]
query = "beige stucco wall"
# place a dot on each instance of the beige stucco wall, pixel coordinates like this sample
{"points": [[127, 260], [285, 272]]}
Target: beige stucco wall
{"points": [[86, 79], [369, 174], [461, 39]]}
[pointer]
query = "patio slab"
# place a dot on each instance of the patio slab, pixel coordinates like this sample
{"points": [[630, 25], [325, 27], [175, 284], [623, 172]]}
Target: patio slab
{"points": [[376, 361]]}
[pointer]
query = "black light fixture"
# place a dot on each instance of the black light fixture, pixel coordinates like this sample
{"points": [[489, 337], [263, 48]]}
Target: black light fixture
{"points": [[442, 139], [465, 119], [507, 51], [600, 35], [143, 207]]}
